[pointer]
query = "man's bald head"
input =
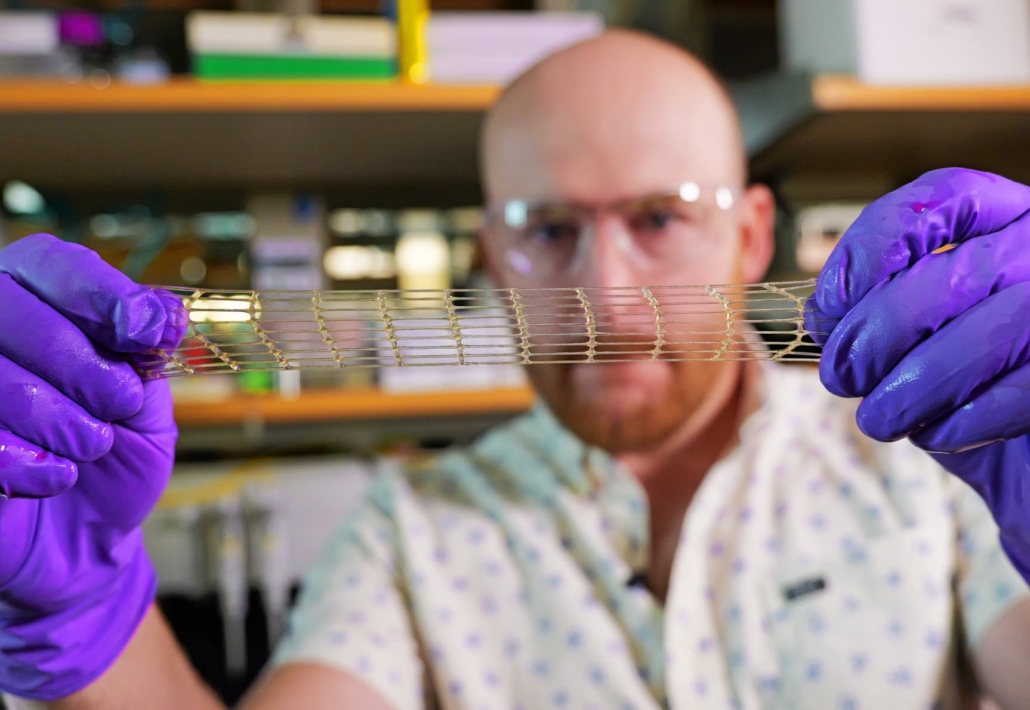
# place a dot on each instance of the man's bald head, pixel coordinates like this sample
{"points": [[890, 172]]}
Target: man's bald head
{"points": [[611, 117], [610, 121]]}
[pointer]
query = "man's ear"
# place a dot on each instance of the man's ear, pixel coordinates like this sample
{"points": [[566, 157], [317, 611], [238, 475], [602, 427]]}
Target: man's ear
{"points": [[757, 217]]}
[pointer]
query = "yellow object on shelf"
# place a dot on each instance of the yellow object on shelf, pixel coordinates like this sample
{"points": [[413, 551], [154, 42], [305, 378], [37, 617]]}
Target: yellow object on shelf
{"points": [[412, 26]]}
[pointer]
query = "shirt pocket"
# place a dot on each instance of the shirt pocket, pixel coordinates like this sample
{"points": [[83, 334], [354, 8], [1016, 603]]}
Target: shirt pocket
{"points": [[869, 627]]}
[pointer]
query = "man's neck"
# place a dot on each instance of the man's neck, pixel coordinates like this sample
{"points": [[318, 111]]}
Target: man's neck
{"points": [[672, 473]]}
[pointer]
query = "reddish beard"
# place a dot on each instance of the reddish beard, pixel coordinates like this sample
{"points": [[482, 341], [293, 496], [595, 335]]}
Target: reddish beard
{"points": [[599, 414]]}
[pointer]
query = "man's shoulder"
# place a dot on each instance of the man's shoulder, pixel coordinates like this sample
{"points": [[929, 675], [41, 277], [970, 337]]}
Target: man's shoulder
{"points": [[498, 467]]}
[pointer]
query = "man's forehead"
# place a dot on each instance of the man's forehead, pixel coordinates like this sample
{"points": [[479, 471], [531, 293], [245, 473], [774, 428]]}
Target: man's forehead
{"points": [[594, 162], [574, 129]]}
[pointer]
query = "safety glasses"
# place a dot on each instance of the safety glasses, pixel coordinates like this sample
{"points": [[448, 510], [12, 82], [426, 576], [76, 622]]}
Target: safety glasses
{"points": [[541, 239]]}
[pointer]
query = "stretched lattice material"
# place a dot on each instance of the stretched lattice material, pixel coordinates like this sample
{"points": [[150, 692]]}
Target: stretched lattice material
{"points": [[236, 331]]}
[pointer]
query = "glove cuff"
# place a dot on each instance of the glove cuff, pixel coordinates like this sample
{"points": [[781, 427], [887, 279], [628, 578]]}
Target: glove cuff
{"points": [[50, 657]]}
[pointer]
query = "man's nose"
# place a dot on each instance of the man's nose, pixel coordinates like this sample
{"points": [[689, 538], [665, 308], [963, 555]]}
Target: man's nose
{"points": [[607, 261], [613, 282]]}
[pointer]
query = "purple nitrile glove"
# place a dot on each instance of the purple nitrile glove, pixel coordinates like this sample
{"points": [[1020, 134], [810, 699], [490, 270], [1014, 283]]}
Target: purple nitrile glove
{"points": [[938, 345], [86, 448]]}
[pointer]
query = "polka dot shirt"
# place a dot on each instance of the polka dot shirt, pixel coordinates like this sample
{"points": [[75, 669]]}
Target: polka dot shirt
{"points": [[816, 569]]}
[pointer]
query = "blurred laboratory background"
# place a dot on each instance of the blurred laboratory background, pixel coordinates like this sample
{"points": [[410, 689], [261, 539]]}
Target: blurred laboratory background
{"points": [[331, 144]]}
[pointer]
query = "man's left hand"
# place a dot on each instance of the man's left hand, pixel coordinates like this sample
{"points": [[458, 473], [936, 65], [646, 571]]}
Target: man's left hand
{"points": [[938, 344]]}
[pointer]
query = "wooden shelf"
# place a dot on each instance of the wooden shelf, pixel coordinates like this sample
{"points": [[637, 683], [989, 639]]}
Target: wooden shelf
{"points": [[835, 124], [187, 95], [196, 135], [321, 406], [833, 92]]}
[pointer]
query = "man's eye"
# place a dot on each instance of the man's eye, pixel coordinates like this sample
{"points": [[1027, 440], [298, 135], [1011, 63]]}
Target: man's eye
{"points": [[655, 220], [550, 232]]}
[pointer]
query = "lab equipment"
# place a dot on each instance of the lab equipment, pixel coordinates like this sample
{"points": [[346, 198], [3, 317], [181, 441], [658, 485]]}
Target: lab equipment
{"points": [[240, 331]]}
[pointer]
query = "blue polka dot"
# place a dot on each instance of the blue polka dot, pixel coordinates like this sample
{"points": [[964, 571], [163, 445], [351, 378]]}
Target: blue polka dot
{"points": [[575, 638], [900, 676], [813, 671], [541, 668], [816, 623], [454, 687], [561, 698], [859, 661], [895, 628], [511, 648], [848, 703], [597, 675], [1002, 591]]}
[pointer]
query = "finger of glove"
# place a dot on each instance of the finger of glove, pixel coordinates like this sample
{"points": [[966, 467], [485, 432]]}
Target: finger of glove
{"points": [[997, 412], [34, 410], [947, 369], [39, 339], [898, 314], [176, 324], [941, 207], [126, 484], [106, 305], [30, 471], [817, 324], [1000, 475]]}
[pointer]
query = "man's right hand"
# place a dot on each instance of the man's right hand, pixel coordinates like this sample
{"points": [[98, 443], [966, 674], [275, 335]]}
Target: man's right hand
{"points": [[86, 448]]}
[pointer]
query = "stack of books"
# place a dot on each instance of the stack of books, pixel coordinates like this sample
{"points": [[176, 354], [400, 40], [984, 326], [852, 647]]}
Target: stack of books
{"points": [[495, 47], [238, 45]]}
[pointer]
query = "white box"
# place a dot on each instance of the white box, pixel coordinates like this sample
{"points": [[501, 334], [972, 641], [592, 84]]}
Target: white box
{"points": [[495, 47], [271, 33], [28, 33], [951, 42]]}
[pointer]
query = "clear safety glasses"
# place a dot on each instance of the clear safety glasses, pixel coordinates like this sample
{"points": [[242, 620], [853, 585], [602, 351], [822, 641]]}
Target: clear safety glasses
{"points": [[540, 239]]}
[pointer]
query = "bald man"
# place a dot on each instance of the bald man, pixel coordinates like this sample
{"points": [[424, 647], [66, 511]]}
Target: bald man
{"points": [[657, 534]]}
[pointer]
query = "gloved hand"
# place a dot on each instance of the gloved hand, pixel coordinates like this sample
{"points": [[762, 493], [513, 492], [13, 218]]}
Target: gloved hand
{"points": [[86, 448], [938, 345]]}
